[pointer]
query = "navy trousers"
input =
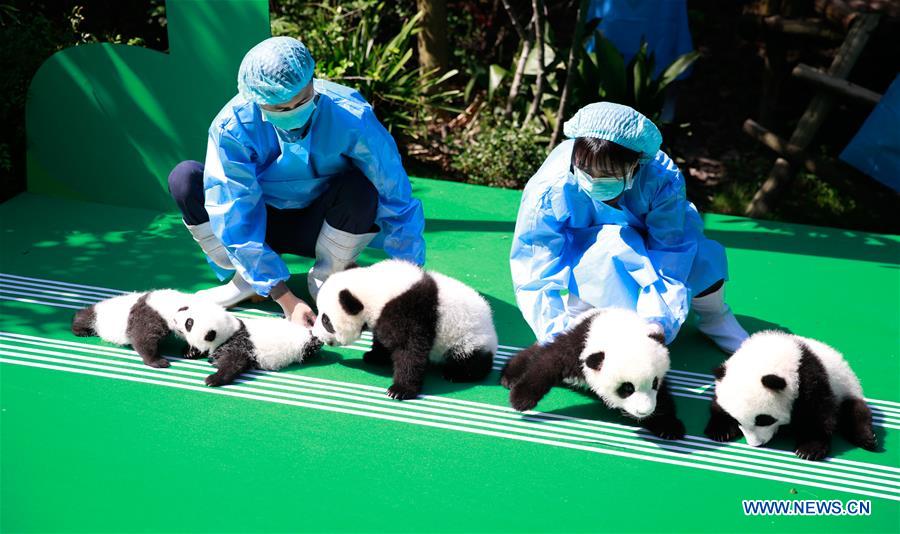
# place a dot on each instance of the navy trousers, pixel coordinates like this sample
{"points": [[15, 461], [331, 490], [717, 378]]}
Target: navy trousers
{"points": [[350, 204]]}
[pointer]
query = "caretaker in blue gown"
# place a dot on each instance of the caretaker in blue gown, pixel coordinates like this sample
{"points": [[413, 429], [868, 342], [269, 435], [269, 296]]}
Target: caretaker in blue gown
{"points": [[294, 165], [605, 222]]}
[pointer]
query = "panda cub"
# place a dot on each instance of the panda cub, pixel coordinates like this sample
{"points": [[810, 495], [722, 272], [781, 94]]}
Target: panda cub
{"points": [[416, 317], [141, 320], [776, 378], [235, 346], [612, 352]]}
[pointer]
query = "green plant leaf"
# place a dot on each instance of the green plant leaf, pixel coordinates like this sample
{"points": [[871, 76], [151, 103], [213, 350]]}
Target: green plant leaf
{"points": [[610, 67], [676, 68], [496, 74], [531, 64]]}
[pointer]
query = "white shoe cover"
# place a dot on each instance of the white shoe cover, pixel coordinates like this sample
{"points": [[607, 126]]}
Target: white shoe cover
{"points": [[210, 244], [335, 250], [717, 321], [227, 295]]}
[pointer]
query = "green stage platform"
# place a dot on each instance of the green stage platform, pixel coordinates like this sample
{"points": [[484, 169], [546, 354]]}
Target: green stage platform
{"points": [[92, 441]]}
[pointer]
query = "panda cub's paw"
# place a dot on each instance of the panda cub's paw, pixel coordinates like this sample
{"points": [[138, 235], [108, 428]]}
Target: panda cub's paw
{"points": [[722, 432], [402, 392], [159, 363], [192, 353], [869, 442], [812, 450], [523, 399], [666, 427], [215, 380]]}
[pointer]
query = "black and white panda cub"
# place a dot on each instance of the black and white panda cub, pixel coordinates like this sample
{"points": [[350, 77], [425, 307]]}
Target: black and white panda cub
{"points": [[141, 320], [776, 378], [234, 346], [415, 316], [612, 352]]}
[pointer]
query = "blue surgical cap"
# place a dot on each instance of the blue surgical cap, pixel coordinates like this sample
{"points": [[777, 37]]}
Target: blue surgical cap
{"points": [[275, 70], [617, 123]]}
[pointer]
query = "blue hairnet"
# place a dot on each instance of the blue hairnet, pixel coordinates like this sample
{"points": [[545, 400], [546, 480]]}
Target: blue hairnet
{"points": [[617, 123], [275, 70]]}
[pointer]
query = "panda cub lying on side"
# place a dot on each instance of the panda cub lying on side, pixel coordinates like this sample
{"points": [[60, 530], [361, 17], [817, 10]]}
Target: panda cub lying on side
{"points": [[776, 378], [416, 317], [141, 320], [612, 352], [234, 346]]}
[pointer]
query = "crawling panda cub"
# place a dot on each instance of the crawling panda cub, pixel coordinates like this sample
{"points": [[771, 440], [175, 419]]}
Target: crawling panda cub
{"points": [[234, 346], [776, 378], [612, 352], [141, 320], [416, 317]]}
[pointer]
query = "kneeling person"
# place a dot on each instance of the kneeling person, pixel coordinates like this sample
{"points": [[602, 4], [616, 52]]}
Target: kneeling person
{"points": [[294, 165]]}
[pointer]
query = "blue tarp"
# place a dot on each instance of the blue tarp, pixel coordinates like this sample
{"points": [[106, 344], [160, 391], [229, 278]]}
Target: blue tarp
{"points": [[875, 150], [662, 23]]}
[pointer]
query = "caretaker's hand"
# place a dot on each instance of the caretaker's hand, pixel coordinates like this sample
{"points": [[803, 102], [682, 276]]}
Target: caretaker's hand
{"points": [[293, 307]]}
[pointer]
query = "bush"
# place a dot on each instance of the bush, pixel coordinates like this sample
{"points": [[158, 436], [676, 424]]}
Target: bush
{"points": [[500, 154], [354, 44]]}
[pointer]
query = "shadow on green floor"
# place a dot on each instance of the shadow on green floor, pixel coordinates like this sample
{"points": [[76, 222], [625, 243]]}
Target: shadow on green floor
{"points": [[463, 225], [798, 239]]}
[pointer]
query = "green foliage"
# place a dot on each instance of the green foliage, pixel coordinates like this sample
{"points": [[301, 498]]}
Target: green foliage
{"points": [[353, 45], [500, 81], [603, 75], [501, 154]]}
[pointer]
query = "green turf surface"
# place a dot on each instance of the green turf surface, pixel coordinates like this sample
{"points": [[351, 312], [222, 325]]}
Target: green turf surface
{"points": [[93, 441]]}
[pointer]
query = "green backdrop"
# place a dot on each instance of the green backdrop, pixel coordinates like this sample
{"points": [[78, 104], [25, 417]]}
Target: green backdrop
{"points": [[107, 123]]}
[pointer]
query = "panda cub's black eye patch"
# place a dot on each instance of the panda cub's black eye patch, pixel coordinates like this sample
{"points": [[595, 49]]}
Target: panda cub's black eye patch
{"points": [[764, 420], [326, 323], [210, 335], [655, 382], [182, 308], [189, 324], [625, 390]]}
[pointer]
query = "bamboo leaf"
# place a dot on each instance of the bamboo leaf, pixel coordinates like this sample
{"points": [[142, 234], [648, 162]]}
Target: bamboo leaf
{"points": [[496, 74], [676, 68], [610, 69]]}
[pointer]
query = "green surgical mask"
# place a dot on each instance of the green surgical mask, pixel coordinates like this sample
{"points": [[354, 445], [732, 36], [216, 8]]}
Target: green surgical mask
{"points": [[603, 188], [292, 119]]}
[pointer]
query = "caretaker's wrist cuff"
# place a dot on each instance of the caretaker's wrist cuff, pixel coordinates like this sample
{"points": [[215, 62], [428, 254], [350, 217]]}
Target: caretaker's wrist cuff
{"points": [[279, 290]]}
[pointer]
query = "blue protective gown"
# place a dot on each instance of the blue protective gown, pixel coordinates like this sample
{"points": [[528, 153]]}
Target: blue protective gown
{"points": [[250, 164], [648, 256]]}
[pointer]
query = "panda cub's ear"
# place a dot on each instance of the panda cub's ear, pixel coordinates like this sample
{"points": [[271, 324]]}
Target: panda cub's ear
{"points": [[655, 332], [595, 360], [774, 382], [719, 372], [349, 302]]}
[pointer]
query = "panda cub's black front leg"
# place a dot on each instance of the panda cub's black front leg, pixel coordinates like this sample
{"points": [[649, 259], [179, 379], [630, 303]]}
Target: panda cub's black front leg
{"points": [[663, 422], [409, 373], [813, 440], [230, 365], [721, 426], [531, 375]]}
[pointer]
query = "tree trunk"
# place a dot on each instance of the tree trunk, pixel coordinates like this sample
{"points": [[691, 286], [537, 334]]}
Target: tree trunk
{"points": [[527, 39], [517, 78], [575, 53], [433, 45], [538, 6]]}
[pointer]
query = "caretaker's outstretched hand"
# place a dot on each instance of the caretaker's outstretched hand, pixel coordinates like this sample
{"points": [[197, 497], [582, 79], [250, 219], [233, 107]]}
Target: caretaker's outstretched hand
{"points": [[294, 308]]}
